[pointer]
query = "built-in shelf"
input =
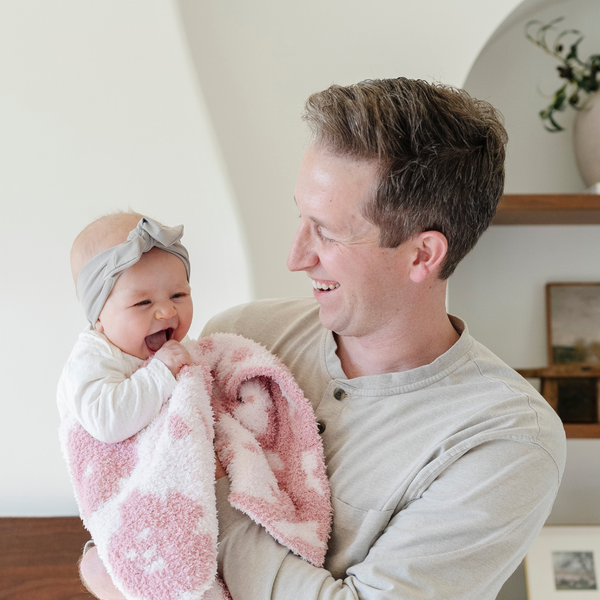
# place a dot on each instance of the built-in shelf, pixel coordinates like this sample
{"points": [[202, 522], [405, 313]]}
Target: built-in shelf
{"points": [[582, 430], [548, 209], [554, 209], [550, 376]]}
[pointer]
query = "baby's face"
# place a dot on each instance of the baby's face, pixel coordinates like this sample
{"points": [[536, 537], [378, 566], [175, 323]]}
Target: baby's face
{"points": [[150, 303]]}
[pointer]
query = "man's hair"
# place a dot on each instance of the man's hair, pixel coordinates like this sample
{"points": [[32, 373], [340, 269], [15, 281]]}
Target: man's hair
{"points": [[440, 155]]}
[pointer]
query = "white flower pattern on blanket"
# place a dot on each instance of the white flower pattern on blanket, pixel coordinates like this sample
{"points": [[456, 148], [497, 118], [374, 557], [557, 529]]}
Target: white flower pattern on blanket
{"points": [[149, 501], [166, 559]]}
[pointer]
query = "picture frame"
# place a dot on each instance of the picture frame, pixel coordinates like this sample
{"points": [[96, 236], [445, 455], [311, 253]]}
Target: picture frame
{"points": [[573, 323], [564, 564]]}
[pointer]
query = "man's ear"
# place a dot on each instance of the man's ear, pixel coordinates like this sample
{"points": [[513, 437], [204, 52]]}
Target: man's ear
{"points": [[430, 249]]}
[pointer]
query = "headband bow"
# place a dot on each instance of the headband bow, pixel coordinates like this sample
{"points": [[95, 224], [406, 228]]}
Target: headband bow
{"points": [[98, 276]]}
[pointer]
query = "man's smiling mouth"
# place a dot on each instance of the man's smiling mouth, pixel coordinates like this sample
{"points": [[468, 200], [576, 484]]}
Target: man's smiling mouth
{"points": [[323, 286], [156, 341]]}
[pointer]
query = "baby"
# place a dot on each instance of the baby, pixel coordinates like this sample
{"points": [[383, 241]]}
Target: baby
{"points": [[132, 277]]}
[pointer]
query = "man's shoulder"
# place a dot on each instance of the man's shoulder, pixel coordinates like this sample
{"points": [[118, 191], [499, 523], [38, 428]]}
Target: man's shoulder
{"points": [[532, 418], [265, 320]]}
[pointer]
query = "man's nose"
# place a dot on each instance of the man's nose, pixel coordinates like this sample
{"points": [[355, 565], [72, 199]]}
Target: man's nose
{"points": [[302, 255]]}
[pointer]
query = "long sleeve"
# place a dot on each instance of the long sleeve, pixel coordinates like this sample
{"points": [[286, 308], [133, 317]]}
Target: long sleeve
{"points": [[441, 476], [111, 394]]}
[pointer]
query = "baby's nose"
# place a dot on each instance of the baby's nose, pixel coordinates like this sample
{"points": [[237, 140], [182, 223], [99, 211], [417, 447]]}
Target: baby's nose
{"points": [[165, 310]]}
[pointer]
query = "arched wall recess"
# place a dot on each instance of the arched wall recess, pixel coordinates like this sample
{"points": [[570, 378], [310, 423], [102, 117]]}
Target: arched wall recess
{"points": [[519, 79]]}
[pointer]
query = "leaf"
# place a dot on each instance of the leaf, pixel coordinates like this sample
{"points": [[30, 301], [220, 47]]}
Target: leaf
{"points": [[588, 84], [559, 99], [581, 76], [555, 126], [548, 115], [561, 35], [573, 52]]}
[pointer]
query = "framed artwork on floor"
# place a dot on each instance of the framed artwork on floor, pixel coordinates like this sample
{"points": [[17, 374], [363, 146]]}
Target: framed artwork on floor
{"points": [[563, 564]]}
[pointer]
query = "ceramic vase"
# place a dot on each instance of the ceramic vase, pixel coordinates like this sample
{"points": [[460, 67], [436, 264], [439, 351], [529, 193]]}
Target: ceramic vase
{"points": [[586, 140]]}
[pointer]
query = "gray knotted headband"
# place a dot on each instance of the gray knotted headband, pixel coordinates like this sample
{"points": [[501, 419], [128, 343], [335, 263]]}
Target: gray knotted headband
{"points": [[97, 278]]}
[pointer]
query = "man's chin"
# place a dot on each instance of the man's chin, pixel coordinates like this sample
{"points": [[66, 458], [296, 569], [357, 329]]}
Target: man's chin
{"points": [[330, 321]]}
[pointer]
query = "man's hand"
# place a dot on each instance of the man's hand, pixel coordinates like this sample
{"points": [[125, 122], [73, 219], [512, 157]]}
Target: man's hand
{"points": [[174, 356], [219, 471], [95, 577]]}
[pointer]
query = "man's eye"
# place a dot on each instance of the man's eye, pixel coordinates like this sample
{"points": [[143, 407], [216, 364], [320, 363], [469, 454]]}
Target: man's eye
{"points": [[322, 237]]}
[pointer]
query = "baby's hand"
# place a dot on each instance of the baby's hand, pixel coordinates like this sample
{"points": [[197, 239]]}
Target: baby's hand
{"points": [[174, 356]]}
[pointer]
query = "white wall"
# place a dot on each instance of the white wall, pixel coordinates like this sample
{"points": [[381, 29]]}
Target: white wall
{"points": [[258, 62], [99, 110]]}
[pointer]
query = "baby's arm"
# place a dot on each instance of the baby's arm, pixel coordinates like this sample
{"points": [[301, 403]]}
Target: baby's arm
{"points": [[109, 402]]}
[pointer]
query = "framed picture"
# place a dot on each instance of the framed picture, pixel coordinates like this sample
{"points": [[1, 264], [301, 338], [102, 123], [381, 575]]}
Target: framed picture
{"points": [[573, 314], [564, 564]]}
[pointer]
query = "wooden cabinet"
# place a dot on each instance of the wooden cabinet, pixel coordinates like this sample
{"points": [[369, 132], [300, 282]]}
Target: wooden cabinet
{"points": [[38, 558]]}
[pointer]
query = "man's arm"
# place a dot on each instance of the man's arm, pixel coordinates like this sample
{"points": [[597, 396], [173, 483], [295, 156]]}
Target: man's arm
{"points": [[95, 577], [460, 540]]}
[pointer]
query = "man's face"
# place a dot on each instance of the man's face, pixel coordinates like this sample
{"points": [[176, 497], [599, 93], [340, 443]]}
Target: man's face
{"points": [[149, 304], [357, 283]]}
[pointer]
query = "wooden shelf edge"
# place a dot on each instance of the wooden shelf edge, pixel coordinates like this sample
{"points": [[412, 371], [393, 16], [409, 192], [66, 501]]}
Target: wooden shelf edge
{"points": [[574, 370], [548, 209], [582, 430]]}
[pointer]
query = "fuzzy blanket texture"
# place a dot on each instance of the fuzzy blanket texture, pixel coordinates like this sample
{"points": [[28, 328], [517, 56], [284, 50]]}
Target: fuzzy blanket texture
{"points": [[149, 501]]}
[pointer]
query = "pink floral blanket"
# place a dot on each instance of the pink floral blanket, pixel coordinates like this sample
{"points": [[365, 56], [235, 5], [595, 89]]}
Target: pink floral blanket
{"points": [[149, 501]]}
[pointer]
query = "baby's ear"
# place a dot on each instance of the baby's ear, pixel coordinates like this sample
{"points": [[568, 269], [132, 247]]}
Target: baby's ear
{"points": [[99, 327]]}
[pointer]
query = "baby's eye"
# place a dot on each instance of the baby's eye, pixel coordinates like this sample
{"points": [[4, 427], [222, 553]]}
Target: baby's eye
{"points": [[180, 295], [143, 303]]}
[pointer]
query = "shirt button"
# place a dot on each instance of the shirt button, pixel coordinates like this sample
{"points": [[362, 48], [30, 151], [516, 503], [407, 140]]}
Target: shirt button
{"points": [[339, 394], [320, 427]]}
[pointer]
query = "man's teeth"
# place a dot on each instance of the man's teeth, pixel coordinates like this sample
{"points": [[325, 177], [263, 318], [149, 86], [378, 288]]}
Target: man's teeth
{"points": [[325, 286]]}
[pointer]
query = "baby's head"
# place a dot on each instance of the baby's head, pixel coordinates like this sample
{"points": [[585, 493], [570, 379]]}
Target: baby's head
{"points": [[132, 276]]}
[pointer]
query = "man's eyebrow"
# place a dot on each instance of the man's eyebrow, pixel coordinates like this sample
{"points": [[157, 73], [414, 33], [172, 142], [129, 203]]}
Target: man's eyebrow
{"points": [[313, 219]]}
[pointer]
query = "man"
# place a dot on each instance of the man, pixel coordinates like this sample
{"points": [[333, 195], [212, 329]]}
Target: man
{"points": [[443, 462]]}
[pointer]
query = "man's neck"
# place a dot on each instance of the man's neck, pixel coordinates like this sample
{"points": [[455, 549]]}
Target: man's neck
{"points": [[395, 351]]}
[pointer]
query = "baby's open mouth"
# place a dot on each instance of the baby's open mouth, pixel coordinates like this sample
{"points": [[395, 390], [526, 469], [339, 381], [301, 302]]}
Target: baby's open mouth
{"points": [[156, 340]]}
